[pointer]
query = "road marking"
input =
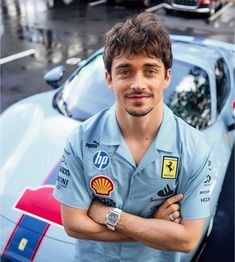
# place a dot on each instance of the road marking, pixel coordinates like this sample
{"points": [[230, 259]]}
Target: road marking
{"points": [[97, 2], [220, 12], [17, 56], [154, 8]]}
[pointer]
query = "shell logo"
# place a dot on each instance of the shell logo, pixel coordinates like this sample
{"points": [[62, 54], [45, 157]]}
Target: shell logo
{"points": [[102, 185]]}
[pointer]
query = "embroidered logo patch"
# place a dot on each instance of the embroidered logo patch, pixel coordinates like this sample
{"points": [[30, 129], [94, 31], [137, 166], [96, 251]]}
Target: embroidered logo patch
{"points": [[169, 167], [166, 191], [95, 144], [102, 185], [101, 160]]}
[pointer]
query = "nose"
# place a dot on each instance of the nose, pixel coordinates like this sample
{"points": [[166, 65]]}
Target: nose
{"points": [[138, 82]]}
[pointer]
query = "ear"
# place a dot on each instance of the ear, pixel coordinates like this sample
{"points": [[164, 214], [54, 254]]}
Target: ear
{"points": [[168, 78], [108, 78]]}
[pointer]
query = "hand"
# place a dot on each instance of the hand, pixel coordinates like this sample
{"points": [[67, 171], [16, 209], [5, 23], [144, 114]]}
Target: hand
{"points": [[170, 209], [98, 211]]}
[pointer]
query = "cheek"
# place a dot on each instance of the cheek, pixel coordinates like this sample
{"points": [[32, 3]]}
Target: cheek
{"points": [[159, 93], [120, 87]]}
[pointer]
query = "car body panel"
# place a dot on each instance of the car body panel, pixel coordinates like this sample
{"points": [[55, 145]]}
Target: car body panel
{"points": [[34, 132]]}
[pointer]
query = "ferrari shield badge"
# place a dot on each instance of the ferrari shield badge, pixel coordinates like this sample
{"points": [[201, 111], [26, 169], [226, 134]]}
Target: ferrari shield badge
{"points": [[22, 244], [169, 167]]}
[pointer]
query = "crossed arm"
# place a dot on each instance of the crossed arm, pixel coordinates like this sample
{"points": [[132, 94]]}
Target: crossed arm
{"points": [[157, 232]]}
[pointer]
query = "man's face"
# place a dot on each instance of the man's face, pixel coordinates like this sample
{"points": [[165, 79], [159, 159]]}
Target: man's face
{"points": [[138, 83]]}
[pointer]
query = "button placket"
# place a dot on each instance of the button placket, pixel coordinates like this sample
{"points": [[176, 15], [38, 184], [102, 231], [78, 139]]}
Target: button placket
{"points": [[130, 196]]}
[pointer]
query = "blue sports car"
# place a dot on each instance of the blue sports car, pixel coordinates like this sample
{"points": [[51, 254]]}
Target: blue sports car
{"points": [[34, 132]]}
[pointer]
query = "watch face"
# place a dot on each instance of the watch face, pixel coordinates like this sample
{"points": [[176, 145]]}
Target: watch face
{"points": [[112, 218]]}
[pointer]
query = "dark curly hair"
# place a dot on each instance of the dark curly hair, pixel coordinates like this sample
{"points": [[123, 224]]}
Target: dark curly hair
{"points": [[141, 33]]}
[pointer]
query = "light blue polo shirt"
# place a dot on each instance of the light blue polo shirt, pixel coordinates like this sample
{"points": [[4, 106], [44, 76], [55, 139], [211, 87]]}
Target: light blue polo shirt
{"points": [[97, 164]]}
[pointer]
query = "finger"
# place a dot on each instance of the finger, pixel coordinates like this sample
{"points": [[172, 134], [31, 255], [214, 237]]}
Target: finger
{"points": [[176, 214], [177, 220], [172, 200], [170, 217], [173, 208]]}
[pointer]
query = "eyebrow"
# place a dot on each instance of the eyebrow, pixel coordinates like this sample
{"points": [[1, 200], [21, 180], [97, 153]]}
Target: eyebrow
{"points": [[152, 65], [121, 66], [127, 65]]}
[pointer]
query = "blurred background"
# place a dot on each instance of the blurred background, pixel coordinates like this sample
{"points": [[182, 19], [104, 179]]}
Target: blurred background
{"points": [[56, 31]]}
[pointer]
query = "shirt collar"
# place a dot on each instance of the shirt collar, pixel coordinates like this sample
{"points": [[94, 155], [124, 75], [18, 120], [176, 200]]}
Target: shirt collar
{"points": [[164, 141], [113, 135], [166, 135]]}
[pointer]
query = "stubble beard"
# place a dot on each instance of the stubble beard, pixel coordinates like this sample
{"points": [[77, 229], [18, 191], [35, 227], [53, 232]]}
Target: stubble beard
{"points": [[138, 112]]}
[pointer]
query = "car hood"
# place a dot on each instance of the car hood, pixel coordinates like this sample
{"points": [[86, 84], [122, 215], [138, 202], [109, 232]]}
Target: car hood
{"points": [[30, 159]]}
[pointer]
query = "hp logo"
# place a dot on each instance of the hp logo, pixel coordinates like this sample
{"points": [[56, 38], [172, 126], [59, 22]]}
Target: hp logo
{"points": [[101, 160]]}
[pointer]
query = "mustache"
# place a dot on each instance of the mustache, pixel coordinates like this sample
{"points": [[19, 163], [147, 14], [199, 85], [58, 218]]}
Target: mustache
{"points": [[132, 93]]}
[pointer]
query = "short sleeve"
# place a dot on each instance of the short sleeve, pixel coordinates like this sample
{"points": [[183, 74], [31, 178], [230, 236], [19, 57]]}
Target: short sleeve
{"points": [[196, 201], [71, 188]]}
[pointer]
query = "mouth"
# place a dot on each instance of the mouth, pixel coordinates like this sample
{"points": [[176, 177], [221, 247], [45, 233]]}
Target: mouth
{"points": [[135, 96]]}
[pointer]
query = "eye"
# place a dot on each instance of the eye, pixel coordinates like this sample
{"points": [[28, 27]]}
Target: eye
{"points": [[123, 72], [150, 71]]}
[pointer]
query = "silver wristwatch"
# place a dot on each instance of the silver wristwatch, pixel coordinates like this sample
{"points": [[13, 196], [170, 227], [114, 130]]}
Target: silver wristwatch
{"points": [[112, 218]]}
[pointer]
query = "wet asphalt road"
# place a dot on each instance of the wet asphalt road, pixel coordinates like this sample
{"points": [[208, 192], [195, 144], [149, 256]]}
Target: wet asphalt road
{"points": [[75, 30], [64, 31]]}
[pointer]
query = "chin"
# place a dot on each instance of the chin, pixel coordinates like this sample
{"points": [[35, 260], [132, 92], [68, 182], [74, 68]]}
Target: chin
{"points": [[138, 112]]}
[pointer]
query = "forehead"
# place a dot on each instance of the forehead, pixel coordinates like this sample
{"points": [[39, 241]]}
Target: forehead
{"points": [[136, 60]]}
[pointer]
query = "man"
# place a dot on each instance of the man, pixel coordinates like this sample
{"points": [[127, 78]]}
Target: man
{"points": [[125, 162]]}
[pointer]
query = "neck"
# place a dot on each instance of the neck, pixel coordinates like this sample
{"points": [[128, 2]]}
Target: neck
{"points": [[140, 128]]}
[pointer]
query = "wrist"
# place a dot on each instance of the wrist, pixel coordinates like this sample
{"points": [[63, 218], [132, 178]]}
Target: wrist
{"points": [[112, 218], [97, 212]]}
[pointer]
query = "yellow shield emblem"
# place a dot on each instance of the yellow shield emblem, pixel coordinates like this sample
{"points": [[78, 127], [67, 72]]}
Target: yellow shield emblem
{"points": [[169, 167], [22, 244]]}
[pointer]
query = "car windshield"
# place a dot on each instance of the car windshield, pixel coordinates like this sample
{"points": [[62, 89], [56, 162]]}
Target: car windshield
{"points": [[87, 92], [188, 94]]}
